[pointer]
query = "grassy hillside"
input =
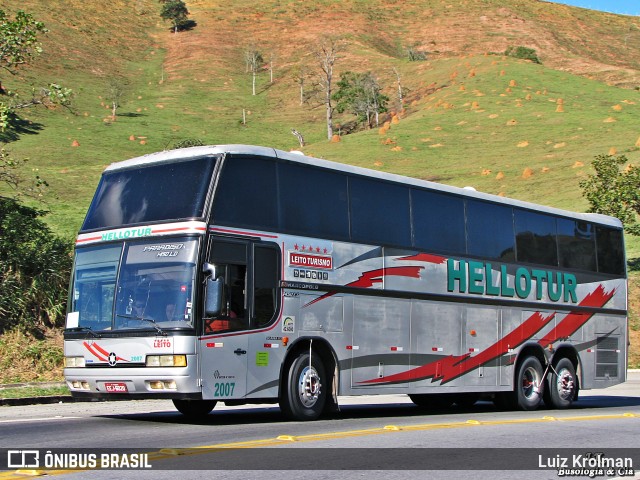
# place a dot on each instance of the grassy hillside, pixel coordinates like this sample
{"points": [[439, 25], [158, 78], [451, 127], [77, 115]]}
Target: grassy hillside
{"points": [[471, 116]]}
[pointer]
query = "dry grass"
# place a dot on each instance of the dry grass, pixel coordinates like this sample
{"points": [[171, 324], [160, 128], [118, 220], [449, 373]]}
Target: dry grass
{"points": [[28, 359]]}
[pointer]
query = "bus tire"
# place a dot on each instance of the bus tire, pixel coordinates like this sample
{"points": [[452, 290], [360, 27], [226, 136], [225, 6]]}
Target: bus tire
{"points": [[194, 408], [432, 401], [562, 384], [305, 394], [529, 384]]}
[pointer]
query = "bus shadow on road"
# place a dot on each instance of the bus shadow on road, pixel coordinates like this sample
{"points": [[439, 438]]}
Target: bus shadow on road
{"points": [[271, 414]]}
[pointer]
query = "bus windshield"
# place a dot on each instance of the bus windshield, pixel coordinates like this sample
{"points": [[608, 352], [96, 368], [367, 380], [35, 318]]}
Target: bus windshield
{"points": [[135, 285]]}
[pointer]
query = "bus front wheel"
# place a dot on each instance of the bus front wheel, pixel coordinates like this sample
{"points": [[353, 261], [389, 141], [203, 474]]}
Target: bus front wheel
{"points": [[194, 408], [305, 394]]}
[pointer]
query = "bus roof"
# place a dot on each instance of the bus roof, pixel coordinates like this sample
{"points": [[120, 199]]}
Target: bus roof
{"points": [[297, 157]]}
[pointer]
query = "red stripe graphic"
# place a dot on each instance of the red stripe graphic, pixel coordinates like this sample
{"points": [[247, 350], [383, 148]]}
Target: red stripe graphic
{"points": [[100, 352], [573, 321], [453, 366], [424, 257], [369, 279], [93, 352]]}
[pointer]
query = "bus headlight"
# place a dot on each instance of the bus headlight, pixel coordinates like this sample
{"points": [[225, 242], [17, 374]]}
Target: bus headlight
{"points": [[166, 361], [74, 362]]}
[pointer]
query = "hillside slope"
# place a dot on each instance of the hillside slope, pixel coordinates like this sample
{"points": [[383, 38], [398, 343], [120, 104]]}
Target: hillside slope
{"points": [[471, 116]]}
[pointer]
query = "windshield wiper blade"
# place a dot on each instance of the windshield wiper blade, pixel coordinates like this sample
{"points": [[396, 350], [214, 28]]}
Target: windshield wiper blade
{"points": [[155, 325], [143, 319], [85, 329]]}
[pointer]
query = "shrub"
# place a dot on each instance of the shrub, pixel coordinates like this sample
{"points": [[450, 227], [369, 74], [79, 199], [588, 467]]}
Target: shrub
{"points": [[35, 266], [524, 53]]}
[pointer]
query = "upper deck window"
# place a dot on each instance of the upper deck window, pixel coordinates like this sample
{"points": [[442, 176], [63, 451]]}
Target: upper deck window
{"points": [[151, 193]]}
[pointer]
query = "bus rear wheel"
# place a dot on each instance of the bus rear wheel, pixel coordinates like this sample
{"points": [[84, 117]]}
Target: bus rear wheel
{"points": [[529, 384], [304, 396], [562, 384], [194, 408]]}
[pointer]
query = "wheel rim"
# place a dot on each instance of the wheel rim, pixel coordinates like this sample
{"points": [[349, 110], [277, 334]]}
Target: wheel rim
{"points": [[530, 383], [565, 384], [309, 387]]}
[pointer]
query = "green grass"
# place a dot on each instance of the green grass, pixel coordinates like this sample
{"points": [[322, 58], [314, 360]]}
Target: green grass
{"points": [[33, 391]]}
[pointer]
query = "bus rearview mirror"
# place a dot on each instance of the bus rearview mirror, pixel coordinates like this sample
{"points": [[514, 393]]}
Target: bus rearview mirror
{"points": [[213, 301]]}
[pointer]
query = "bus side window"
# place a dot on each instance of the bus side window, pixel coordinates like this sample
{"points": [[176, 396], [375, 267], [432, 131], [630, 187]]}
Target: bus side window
{"points": [[265, 283], [230, 259]]}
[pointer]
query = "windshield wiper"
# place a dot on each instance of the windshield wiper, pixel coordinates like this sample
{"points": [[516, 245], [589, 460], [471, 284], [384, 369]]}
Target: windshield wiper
{"points": [[89, 330], [143, 319]]}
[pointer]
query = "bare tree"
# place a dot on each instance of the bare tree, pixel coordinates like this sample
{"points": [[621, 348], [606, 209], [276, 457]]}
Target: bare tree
{"points": [[300, 75], [253, 64], [326, 55], [272, 60], [400, 90]]}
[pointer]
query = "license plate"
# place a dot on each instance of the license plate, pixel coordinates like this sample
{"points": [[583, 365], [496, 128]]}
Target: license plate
{"points": [[116, 387]]}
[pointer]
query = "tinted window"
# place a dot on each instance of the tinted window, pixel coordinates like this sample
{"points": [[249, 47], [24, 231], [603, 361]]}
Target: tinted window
{"points": [[247, 193], [150, 193], [265, 284], [313, 202], [576, 244], [536, 238], [438, 221], [379, 212], [610, 251], [490, 230]]}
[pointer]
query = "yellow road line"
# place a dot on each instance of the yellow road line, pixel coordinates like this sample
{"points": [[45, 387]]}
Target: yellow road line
{"points": [[284, 439]]}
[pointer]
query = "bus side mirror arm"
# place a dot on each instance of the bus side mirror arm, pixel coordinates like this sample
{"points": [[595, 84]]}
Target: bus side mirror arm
{"points": [[210, 270]]}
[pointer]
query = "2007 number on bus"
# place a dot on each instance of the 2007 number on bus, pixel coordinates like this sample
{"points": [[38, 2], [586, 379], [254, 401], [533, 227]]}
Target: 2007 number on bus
{"points": [[224, 389]]}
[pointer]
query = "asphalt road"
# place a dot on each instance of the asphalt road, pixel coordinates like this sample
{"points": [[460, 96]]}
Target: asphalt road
{"points": [[376, 437]]}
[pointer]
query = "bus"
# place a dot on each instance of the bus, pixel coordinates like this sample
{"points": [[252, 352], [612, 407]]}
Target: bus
{"points": [[249, 275]]}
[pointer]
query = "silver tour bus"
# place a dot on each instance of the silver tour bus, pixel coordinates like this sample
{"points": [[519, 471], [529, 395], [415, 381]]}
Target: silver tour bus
{"points": [[244, 274]]}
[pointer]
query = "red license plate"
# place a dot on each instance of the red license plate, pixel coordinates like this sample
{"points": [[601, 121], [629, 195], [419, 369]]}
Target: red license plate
{"points": [[116, 387]]}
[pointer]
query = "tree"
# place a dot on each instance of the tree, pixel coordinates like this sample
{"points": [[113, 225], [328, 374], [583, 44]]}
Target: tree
{"points": [[401, 90], [176, 12], [359, 94], [116, 90], [326, 55], [19, 40], [253, 63], [10, 176], [300, 74], [18, 46], [614, 190]]}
